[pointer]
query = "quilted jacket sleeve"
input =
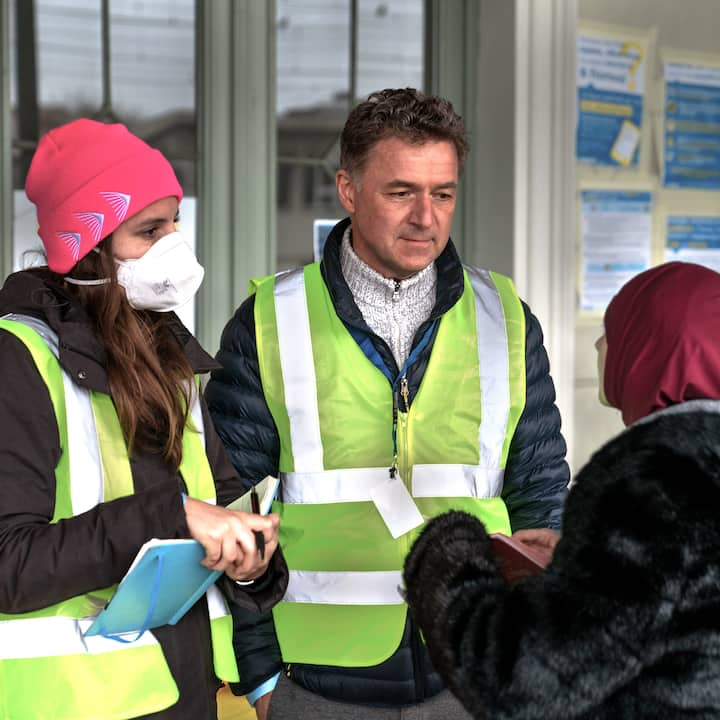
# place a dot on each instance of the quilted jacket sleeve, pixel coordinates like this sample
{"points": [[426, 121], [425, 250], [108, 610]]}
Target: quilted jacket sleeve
{"points": [[237, 405], [536, 476], [243, 421]]}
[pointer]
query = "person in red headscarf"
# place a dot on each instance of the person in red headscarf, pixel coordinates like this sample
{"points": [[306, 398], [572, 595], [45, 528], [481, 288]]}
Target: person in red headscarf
{"points": [[661, 344], [625, 621]]}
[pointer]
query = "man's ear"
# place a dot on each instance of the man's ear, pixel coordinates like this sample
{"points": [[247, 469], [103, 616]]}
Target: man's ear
{"points": [[345, 190]]}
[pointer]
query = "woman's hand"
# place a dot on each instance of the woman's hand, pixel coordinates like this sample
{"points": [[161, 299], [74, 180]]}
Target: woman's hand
{"points": [[542, 540], [227, 536]]}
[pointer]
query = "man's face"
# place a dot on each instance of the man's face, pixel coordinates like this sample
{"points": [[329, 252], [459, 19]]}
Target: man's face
{"points": [[401, 204]]}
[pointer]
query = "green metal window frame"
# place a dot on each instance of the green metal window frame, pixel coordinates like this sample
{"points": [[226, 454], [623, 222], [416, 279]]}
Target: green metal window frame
{"points": [[6, 189]]}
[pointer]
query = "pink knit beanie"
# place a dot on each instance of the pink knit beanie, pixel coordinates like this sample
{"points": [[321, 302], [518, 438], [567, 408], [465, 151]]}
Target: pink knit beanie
{"points": [[85, 179]]}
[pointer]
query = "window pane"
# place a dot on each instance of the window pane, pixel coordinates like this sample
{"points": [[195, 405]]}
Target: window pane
{"points": [[151, 89], [153, 57], [153, 77], [390, 45], [69, 69], [313, 81], [313, 63]]}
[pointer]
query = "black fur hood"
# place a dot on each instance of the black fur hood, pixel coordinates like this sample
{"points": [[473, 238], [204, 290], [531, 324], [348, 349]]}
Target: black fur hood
{"points": [[625, 622]]}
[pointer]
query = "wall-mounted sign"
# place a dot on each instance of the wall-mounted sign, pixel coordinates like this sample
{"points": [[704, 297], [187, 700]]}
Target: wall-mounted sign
{"points": [[692, 126], [616, 241], [321, 229], [695, 239], [611, 84]]}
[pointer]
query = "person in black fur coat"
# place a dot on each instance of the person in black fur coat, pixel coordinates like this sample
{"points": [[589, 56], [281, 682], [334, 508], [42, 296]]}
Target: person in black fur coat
{"points": [[625, 621]]}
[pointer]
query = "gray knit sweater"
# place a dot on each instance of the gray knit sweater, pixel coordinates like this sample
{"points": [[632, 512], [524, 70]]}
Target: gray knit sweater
{"points": [[393, 309]]}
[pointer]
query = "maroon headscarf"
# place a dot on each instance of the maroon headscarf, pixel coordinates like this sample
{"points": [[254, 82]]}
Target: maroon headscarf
{"points": [[663, 340]]}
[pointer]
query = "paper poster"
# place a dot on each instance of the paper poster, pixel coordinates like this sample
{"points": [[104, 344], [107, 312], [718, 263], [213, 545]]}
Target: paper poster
{"points": [[695, 239], [692, 126], [321, 230], [616, 237], [611, 83]]}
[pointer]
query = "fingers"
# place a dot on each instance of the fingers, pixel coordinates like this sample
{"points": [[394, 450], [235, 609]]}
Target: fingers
{"points": [[540, 537], [228, 539], [252, 565], [258, 522], [541, 540]]}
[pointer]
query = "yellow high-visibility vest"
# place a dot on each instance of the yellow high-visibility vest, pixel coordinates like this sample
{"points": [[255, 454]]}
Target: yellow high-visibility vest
{"points": [[333, 409], [48, 670]]}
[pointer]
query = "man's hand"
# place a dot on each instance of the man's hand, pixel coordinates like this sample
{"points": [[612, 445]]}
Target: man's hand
{"points": [[262, 706], [227, 536], [542, 540]]}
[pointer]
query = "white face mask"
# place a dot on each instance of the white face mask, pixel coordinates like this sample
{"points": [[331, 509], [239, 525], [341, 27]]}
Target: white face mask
{"points": [[166, 277]]}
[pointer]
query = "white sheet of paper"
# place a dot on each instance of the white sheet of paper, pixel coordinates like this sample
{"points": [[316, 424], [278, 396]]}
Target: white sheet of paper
{"points": [[396, 506], [626, 142]]}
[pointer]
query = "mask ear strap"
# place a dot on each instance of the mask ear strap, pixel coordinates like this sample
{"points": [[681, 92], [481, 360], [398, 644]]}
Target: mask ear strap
{"points": [[76, 281]]}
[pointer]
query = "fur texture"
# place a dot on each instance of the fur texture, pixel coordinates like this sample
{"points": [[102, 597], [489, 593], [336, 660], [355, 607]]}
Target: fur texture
{"points": [[624, 623]]}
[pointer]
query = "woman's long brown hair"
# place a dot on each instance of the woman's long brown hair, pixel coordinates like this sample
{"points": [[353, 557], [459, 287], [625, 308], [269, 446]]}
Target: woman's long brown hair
{"points": [[149, 376]]}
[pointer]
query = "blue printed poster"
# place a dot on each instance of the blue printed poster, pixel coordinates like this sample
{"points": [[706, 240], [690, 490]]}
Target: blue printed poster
{"points": [[692, 127], [616, 234], [611, 83], [695, 239]]}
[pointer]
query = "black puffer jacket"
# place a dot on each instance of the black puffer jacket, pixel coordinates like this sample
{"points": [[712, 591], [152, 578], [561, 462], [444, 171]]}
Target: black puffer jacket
{"points": [[43, 563], [625, 622], [534, 488]]}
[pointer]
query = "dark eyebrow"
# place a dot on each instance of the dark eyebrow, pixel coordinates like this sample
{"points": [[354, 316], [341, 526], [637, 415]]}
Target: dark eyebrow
{"points": [[414, 186], [154, 221]]}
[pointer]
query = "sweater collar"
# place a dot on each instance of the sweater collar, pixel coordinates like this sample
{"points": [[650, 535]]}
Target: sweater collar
{"points": [[369, 287], [449, 272]]}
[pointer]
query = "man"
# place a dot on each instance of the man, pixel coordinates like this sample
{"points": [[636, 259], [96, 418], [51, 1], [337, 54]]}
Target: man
{"points": [[386, 385]]}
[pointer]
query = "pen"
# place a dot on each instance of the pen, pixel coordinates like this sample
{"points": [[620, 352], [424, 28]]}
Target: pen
{"points": [[259, 537]]}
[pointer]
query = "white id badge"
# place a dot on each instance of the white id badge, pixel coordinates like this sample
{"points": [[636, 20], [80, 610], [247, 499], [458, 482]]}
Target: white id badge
{"points": [[396, 506]]}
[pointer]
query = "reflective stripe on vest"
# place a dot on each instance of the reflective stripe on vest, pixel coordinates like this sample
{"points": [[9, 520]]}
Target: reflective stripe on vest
{"points": [[355, 484], [333, 411], [46, 648], [345, 588]]}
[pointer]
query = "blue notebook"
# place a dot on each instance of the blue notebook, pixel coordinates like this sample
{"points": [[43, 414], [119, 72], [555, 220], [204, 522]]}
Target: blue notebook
{"points": [[165, 580]]}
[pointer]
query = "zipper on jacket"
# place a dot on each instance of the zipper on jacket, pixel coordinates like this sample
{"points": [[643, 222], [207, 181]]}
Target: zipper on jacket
{"points": [[404, 392], [396, 291], [395, 398], [404, 433], [398, 392]]}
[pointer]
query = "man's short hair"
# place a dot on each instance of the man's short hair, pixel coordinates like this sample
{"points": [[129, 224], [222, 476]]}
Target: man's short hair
{"points": [[406, 114]]}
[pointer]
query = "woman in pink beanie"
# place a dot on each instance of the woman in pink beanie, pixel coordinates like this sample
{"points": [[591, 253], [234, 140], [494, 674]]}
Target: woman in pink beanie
{"points": [[107, 444]]}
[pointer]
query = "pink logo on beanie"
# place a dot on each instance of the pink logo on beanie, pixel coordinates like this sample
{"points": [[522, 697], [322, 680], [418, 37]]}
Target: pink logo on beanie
{"points": [[119, 202], [72, 242], [94, 221], [68, 181]]}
